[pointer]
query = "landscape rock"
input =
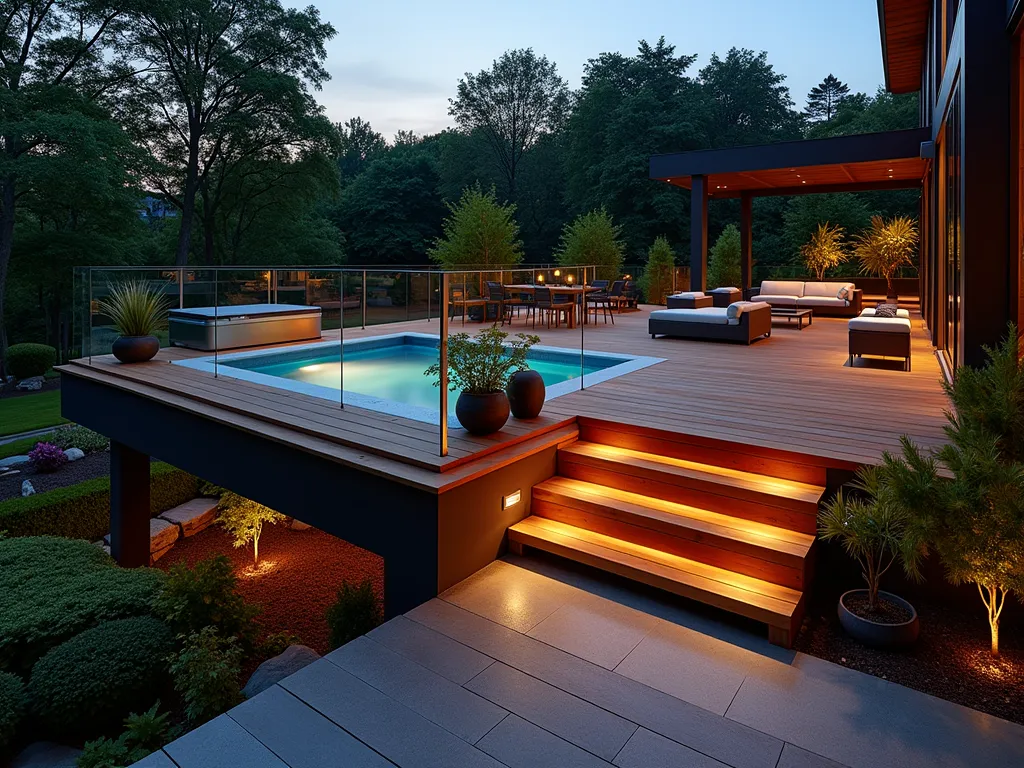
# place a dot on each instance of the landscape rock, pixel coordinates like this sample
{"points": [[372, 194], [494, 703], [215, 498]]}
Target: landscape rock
{"points": [[27, 489], [46, 754], [192, 516], [274, 670], [14, 461], [9, 472], [31, 384], [74, 454], [162, 535]]}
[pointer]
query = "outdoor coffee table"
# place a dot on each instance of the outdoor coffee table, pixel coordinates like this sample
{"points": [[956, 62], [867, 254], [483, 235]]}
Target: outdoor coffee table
{"points": [[789, 313]]}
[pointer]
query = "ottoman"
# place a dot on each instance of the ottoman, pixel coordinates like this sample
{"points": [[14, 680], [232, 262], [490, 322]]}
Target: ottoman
{"points": [[723, 297], [881, 336], [690, 300]]}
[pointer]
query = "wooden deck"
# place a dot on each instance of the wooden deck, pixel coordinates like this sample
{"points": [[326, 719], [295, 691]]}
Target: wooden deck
{"points": [[793, 392]]}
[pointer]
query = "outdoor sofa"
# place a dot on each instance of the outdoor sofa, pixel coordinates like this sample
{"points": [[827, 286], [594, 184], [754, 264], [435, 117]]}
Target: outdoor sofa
{"points": [[828, 299], [741, 321], [881, 336]]}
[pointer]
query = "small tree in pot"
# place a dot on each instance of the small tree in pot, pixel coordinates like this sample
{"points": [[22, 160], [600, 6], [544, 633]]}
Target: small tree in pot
{"points": [[138, 311], [479, 369], [824, 250], [877, 531], [886, 246]]}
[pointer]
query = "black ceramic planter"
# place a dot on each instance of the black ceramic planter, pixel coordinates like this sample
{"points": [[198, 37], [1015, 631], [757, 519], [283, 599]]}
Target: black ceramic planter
{"points": [[526, 393], [874, 633], [136, 349], [482, 414]]}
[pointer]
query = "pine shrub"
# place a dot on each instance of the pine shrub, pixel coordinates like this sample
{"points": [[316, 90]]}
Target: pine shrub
{"points": [[12, 710], [356, 611], [204, 596]]}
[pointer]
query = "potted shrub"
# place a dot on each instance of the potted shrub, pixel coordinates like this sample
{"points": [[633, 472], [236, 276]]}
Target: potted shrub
{"points": [[885, 247], [824, 250], [480, 369], [875, 530], [138, 311]]}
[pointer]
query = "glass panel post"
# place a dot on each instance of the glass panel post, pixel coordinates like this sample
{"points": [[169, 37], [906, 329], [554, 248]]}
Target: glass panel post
{"points": [[443, 363], [216, 318], [582, 284], [341, 341], [364, 300], [88, 315]]}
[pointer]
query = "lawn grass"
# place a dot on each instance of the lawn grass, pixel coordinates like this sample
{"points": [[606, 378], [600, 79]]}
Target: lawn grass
{"points": [[20, 447], [21, 414]]}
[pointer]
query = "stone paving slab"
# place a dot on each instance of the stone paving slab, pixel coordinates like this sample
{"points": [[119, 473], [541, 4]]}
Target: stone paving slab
{"points": [[439, 653], [573, 719], [392, 729], [703, 731], [521, 744], [794, 757], [221, 743], [649, 750], [441, 701], [300, 736], [156, 760]]}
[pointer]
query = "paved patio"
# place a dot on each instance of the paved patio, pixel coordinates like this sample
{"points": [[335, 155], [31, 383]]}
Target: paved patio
{"points": [[526, 664]]}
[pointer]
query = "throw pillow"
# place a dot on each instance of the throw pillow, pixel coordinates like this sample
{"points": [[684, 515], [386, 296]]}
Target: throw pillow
{"points": [[886, 310], [844, 292]]}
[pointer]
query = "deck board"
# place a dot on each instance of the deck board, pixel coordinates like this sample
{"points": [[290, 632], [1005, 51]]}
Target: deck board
{"points": [[792, 392]]}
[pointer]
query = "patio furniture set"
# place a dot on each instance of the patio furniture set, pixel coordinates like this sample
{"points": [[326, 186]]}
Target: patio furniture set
{"points": [[720, 315], [562, 303]]}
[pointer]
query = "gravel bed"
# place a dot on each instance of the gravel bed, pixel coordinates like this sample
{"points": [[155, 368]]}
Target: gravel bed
{"points": [[93, 465], [950, 660]]}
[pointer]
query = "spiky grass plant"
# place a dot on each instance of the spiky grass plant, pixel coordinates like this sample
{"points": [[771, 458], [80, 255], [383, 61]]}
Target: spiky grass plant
{"points": [[824, 250], [886, 246], [136, 308]]}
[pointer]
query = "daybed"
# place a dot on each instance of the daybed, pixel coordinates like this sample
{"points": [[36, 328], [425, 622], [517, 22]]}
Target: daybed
{"points": [[741, 321], [689, 300], [882, 336], [833, 299]]}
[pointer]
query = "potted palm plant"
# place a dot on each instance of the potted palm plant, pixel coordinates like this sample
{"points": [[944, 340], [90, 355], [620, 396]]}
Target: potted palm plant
{"points": [[885, 247], [824, 250], [138, 311], [479, 369], [876, 531]]}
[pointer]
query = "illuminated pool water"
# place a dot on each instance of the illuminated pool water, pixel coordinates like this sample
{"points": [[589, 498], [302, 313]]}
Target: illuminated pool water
{"points": [[386, 373]]}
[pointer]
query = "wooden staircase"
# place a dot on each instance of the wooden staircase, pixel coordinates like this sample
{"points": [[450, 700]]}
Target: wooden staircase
{"points": [[687, 520]]}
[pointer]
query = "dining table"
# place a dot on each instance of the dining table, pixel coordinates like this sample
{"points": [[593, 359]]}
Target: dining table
{"points": [[576, 291]]}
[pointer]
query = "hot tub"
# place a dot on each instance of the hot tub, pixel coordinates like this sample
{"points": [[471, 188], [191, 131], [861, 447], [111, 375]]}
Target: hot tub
{"points": [[216, 328]]}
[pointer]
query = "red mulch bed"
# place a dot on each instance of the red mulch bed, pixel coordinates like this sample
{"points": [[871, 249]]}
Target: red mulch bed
{"points": [[297, 579]]}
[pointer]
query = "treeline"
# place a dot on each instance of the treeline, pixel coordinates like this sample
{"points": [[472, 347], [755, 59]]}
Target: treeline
{"points": [[188, 132]]}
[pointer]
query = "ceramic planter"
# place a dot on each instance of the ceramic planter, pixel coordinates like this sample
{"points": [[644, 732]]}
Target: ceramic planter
{"points": [[875, 633], [136, 349], [526, 393], [482, 414]]}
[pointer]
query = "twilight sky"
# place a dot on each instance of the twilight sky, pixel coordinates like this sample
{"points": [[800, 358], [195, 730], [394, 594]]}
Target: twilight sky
{"points": [[397, 63]]}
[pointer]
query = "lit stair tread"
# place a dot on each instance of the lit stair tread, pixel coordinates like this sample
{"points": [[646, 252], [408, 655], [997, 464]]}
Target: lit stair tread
{"points": [[745, 595], [702, 520], [749, 481]]}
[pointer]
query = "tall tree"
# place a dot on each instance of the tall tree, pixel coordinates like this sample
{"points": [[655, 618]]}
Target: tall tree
{"points": [[479, 232], [51, 67], [358, 145], [208, 69], [825, 99], [520, 98]]}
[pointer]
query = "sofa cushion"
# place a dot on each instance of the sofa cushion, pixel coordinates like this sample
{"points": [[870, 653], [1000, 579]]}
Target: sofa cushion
{"points": [[706, 315], [830, 290], [880, 324], [688, 294], [737, 308], [783, 288], [724, 290], [777, 300], [870, 312], [821, 301]]}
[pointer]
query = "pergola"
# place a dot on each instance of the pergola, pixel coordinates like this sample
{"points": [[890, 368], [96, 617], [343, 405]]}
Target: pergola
{"points": [[871, 161]]}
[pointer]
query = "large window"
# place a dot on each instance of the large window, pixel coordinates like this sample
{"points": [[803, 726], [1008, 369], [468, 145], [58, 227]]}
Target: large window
{"points": [[950, 235]]}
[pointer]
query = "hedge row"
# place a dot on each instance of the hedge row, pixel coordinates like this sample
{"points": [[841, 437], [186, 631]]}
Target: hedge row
{"points": [[82, 511]]}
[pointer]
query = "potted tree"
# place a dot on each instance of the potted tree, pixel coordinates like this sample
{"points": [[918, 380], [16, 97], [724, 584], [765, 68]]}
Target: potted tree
{"points": [[967, 498], [885, 247], [824, 250], [874, 529], [480, 369], [138, 311]]}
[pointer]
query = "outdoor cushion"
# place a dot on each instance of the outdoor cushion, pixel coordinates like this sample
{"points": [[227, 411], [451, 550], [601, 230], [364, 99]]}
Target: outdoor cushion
{"points": [[689, 294], [708, 315], [826, 289], [870, 312], [737, 308], [724, 290], [777, 300], [880, 324], [783, 288], [821, 301]]}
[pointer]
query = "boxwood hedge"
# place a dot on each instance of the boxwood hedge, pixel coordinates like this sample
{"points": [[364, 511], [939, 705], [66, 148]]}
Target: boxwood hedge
{"points": [[52, 588], [27, 360], [12, 709], [82, 511], [87, 686]]}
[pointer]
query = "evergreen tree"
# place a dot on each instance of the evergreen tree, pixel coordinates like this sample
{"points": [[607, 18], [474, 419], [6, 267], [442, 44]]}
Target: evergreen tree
{"points": [[724, 260], [592, 240], [479, 232], [656, 280], [824, 99]]}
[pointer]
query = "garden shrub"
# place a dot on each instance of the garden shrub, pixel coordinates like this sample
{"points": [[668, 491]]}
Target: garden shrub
{"points": [[27, 360], [47, 457], [143, 735], [51, 589], [82, 511], [204, 596], [356, 611], [12, 709], [77, 436], [206, 674], [86, 686]]}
